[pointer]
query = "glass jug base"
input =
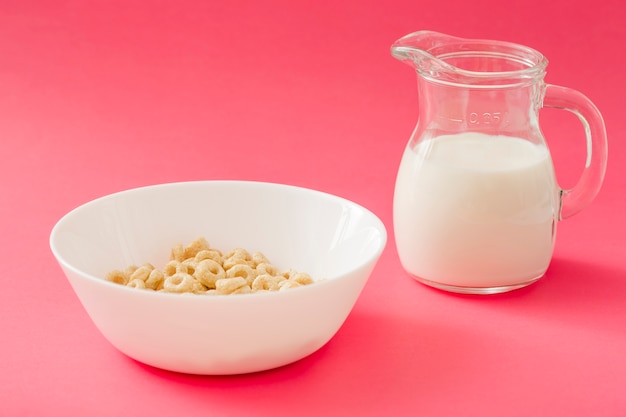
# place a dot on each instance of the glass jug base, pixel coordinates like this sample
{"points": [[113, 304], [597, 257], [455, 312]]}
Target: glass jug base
{"points": [[476, 290]]}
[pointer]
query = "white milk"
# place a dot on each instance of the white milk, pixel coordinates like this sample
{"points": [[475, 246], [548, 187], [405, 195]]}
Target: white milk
{"points": [[473, 210]]}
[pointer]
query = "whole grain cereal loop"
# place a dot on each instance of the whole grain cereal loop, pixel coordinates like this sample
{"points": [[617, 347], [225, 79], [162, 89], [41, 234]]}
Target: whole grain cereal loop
{"points": [[187, 266], [243, 271], [242, 290], [288, 273], [301, 278], [230, 262], [136, 283], [259, 258], [178, 283], [267, 268], [198, 287], [237, 256], [117, 277], [231, 285], [239, 253], [142, 273], [129, 270], [288, 284], [178, 252], [266, 282], [155, 280], [213, 254], [171, 268], [196, 246], [208, 272]]}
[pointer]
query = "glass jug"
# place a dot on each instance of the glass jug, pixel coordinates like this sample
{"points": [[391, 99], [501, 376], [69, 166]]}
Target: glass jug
{"points": [[476, 201]]}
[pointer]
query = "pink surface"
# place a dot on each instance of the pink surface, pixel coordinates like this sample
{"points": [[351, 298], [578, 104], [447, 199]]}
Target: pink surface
{"points": [[97, 97]]}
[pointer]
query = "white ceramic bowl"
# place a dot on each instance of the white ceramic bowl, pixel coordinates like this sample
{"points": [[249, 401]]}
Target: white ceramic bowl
{"points": [[336, 241]]}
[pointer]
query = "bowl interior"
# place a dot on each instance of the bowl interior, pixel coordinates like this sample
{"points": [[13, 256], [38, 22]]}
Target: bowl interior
{"points": [[297, 228]]}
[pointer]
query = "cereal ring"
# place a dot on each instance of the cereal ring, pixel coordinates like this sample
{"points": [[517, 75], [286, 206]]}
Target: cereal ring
{"points": [[136, 283], [288, 273], [240, 253], [213, 254], [117, 277], [259, 258], [301, 278], [287, 284], [155, 279], [267, 268], [230, 285], [243, 271], [178, 253], [242, 290], [198, 287], [230, 262], [187, 266], [142, 273], [196, 246], [208, 272], [267, 282], [179, 282], [171, 268], [237, 256]]}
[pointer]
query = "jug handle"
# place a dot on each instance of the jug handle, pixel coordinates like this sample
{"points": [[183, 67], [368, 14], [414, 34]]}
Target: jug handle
{"points": [[588, 185]]}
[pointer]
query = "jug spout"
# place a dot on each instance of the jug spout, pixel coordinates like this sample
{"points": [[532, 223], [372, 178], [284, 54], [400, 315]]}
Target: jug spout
{"points": [[416, 49], [454, 60]]}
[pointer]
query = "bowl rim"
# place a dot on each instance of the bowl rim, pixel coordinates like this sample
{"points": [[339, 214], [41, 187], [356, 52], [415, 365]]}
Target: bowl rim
{"points": [[380, 227]]}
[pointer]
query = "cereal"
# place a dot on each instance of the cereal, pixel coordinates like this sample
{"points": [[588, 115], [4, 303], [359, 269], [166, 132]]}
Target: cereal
{"points": [[142, 273], [178, 253], [117, 277], [201, 269], [287, 284], [155, 280], [258, 258], [301, 278], [179, 282], [213, 254], [208, 272], [188, 266], [267, 268], [129, 271], [171, 268], [196, 246], [230, 285], [198, 287], [243, 271], [237, 256], [136, 283], [267, 282]]}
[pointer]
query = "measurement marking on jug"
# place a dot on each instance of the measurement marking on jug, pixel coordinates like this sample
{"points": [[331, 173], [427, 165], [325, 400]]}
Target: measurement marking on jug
{"points": [[486, 118]]}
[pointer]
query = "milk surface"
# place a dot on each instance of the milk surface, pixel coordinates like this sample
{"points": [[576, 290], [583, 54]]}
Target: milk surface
{"points": [[475, 210]]}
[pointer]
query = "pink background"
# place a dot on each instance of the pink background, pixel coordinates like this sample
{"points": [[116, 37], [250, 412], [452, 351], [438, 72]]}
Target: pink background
{"points": [[102, 96]]}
